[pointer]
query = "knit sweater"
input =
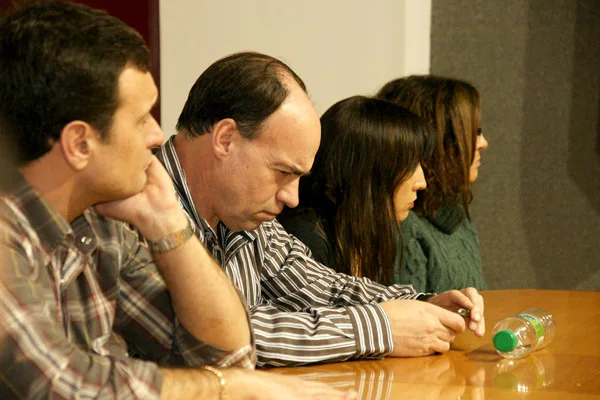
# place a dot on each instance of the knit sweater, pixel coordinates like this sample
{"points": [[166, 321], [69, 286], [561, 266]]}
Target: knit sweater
{"points": [[440, 254]]}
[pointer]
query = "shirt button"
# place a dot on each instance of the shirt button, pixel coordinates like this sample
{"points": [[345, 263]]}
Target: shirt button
{"points": [[86, 240]]}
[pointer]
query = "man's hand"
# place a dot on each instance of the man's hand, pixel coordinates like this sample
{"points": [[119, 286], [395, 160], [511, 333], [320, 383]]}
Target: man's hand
{"points": [[420, 328], [154, 211], [466, 298]]}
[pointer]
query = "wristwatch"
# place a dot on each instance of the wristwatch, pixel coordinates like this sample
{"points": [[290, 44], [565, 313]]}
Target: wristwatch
{"points": [[171, 241]]}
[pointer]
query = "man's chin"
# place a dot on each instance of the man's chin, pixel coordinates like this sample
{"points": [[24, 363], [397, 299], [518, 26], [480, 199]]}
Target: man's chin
{"points": [[121, 195], [248, 225]]}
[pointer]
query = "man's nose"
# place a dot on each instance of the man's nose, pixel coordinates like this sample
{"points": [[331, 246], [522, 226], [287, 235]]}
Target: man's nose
{"points": [[156, 136], [288, 194]]}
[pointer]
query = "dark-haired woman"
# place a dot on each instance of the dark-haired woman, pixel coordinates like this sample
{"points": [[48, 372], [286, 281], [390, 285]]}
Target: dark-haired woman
{"points": [[363, 182], [441, 245]]}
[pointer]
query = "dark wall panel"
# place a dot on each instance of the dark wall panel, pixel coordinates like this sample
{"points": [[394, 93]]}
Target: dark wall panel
{"points": [[537, 66], [141, 15]]}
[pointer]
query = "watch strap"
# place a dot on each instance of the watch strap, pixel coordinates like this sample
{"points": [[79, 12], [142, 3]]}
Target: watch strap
{"points": [[171, 241]]}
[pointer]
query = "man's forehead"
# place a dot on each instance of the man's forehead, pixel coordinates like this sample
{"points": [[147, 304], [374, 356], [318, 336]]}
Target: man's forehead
{"points": [[137, 86], [290, 145], [296, 113], [290, 125]]}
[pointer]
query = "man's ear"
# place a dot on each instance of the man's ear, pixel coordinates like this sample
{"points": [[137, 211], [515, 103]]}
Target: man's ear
{"points": [[224, 133], [77, 140]]}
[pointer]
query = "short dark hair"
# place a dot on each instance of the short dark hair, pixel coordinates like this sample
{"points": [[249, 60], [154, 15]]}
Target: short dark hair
{"points": [[368, 147], [61, 62], [453, 108], [247, 87]]}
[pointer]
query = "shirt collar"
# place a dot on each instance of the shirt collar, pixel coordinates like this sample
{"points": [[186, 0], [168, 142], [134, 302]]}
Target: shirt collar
{"points": [[50, 226], [167, 155]]}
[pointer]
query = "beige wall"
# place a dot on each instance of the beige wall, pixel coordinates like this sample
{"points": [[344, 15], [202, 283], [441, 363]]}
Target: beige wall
{"points": [[338, 47]]}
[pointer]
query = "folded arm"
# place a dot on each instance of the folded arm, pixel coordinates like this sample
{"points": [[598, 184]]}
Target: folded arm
{"points": [[205, 302], [314, 314], [148, 316]]}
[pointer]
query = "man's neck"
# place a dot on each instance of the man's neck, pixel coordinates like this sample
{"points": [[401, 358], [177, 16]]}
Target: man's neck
{"points": [[55, 183], [193, 159]]}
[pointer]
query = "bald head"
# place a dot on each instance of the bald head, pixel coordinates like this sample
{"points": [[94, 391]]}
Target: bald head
{"points": [[246, 87]]}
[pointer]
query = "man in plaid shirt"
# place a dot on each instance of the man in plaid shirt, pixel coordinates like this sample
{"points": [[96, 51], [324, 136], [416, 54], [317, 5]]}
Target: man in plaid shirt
{"points": [[79, 292]]}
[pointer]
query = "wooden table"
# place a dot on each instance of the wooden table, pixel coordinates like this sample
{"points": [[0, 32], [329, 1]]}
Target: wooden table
{"points": [[568, 369]]}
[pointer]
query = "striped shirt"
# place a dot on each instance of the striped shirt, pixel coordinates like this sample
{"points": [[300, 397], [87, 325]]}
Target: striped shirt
{"points": [[301, 311], [72, 297]]}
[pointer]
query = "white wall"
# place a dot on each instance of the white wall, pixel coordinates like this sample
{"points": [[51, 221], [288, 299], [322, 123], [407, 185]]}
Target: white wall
{"points": [[338, 47]]}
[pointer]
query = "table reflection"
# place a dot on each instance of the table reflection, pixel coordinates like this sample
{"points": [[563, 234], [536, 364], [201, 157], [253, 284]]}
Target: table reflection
{"points": [[445, 377], [525, 375], [371, 380], [434, 377]]}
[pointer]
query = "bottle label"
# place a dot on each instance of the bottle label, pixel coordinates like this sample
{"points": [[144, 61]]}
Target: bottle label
{"points": [[538, 326]]}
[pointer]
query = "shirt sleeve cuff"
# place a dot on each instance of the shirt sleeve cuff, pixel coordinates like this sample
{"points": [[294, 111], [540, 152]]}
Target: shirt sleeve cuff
{"points": [[196, 353], [373, 331]]}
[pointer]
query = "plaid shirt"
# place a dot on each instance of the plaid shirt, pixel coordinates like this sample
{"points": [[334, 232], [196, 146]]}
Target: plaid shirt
{"points": [[74, 297]]}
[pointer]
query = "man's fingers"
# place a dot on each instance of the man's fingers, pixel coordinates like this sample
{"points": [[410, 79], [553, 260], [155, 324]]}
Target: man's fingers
{"points": [[448, 335], [441, 346], [464, 298], [452, 320], [478, 327]]}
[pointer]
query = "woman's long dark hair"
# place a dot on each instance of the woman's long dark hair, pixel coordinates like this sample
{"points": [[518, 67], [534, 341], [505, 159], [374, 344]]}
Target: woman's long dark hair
{"points": [[452, 107], [368, 147]]}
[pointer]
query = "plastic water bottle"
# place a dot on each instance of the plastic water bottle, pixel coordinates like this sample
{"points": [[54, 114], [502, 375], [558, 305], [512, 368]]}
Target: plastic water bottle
{"points": [[518, 336]]}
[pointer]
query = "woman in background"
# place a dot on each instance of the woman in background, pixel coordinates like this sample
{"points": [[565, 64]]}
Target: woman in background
{"points": [[441, 245], [364, 181]]}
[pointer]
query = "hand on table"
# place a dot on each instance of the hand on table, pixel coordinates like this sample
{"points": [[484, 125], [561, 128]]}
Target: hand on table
{"points": [[419, 328], [465, 298]]}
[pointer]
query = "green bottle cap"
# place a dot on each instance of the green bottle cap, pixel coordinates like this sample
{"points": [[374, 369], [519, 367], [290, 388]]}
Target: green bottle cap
{"points": [[505, 341]]}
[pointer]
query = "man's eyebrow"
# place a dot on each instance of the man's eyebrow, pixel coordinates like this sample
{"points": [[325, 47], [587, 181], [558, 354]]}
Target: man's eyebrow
{"points": [[149, 112], [291, 169], [156, 102]]}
